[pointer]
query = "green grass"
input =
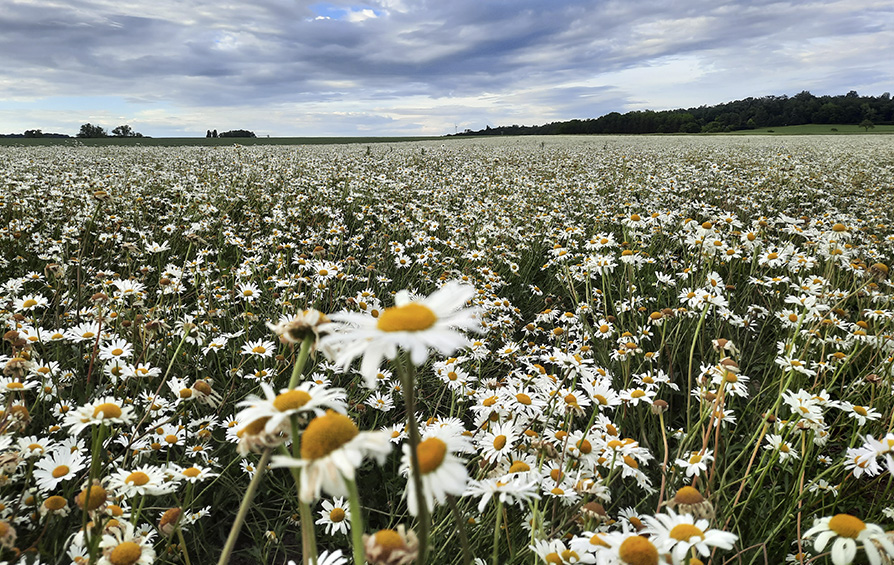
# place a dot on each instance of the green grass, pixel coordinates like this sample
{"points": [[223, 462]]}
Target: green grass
{"points": [[203, 141], [815, 129]]}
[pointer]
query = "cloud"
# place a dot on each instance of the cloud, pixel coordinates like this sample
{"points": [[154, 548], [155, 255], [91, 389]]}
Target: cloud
{"points": [[465, 61]]}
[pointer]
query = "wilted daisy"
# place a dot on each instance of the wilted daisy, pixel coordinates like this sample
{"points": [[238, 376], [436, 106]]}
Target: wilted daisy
{"points": [[293, 329], [331, 450], [415, 326]]}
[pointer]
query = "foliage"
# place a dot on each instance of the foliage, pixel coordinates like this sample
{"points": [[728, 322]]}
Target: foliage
{"points": [[89, 130], [750, 113], [237, 133]]}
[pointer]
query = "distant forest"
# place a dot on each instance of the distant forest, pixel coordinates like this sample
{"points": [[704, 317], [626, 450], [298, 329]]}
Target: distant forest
{"points": [[750, 113]]}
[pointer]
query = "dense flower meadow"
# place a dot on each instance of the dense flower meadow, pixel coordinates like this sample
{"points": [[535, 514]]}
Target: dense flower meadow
{"points": [[580, 350]]}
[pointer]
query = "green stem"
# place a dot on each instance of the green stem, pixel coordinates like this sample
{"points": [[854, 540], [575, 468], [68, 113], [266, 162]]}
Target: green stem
{"points": [[243, 508], [460, 529], [301, 361], [356, 522], [495, 556], [408, 383]]}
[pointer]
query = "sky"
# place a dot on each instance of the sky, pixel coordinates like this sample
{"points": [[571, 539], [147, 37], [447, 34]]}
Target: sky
{"points": [[177, 68]]}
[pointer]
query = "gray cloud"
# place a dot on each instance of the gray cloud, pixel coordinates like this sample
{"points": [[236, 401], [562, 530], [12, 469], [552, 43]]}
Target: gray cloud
{"points": [[528, 61]]}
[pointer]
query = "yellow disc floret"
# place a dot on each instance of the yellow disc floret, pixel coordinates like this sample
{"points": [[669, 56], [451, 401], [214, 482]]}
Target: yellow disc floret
{"points": [[412, 317], [126, 553], [324, 434], [846, 526], [637, 550], [291, 400], [685, 532], [431, 453]]}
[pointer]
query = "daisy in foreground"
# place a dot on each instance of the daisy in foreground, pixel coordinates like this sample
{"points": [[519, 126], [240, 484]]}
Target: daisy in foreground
{"points": [[331, 450], [849, 530], [679, 533], [415, 326]]}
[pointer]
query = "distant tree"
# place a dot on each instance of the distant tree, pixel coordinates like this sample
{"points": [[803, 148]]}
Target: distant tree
{"points": [[867, 125], [123, 131], [238, 133], [89, 130], [208, 133], [214, 133], [33, 133]]}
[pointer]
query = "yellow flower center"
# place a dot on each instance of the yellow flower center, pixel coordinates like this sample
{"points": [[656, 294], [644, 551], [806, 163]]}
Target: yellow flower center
{"points": [[337, 515], [192, 472], [15, 385], [97, 497], [117, 351], [126, 553], [29, 303], [688, 495], [185, 393], [324, 434], [54, 503], [695, 459], [631, 462], [860, 410], [553, 558], [291, 400], [846, 526], [584, 446], [60, 471], [388, 541], [596, 540], [637, 393], [685, 532], [499, 442], [431, 453], [259, 349], [254, 427], [519, 467], [637, 550], [601, 400], [412, 317], [523, 399], [137, 478], [108, 410]]}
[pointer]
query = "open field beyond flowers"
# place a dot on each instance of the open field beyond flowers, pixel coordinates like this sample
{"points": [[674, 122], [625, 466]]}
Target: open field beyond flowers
{"points": [[526, 350]]}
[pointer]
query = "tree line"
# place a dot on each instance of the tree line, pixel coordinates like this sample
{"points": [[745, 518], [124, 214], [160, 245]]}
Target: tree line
{"points": [[750, 113]]}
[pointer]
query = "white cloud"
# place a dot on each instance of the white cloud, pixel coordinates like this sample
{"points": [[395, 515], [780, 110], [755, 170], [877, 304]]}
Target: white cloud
{"points": [[421, 66]]}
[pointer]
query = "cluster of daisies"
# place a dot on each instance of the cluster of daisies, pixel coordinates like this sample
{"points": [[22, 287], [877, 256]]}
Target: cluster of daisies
{"points": [[614, 351]]}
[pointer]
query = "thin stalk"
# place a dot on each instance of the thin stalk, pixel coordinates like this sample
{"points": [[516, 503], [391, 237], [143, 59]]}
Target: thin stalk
{"points": [[243, 508], [356, 522]]}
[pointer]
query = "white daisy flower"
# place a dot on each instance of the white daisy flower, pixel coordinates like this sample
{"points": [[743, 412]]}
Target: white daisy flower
{"points": [[415, 326]]}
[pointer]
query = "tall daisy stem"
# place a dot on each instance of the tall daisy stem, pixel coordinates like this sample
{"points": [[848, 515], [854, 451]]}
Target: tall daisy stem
{"points": [[243, 508], [298, 369], [356, 522], [408, 384], [495, 558]]}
